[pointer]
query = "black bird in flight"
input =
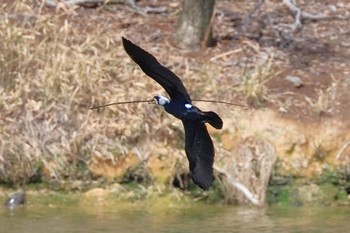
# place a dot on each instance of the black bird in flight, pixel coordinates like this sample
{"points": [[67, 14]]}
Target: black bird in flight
{"points": [[198, 145]]}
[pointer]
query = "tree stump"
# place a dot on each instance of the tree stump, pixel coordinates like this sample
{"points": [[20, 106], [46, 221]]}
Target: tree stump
{"points": [[251, 166]]}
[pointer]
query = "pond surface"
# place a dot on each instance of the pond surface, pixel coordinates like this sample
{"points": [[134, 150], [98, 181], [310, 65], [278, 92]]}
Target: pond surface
{"points": [[199, 218]]}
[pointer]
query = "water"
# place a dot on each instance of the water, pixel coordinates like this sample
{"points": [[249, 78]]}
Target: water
{"points": [[198, 218]]}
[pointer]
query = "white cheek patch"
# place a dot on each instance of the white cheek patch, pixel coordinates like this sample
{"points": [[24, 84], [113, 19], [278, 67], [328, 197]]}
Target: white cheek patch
{"points": [[161, 100], [188, 106]]}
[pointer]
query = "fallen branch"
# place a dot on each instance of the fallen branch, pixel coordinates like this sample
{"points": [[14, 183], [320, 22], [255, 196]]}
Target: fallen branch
{"points": [[300, 15], [55, 3], [95, 3], [226, 54], [292, 6], [341, 152]]}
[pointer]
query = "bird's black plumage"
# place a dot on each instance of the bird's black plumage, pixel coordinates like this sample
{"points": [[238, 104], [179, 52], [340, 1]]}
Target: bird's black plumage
{"points": [[200, 152], [198, 144], [162, 75], [16, 199]]}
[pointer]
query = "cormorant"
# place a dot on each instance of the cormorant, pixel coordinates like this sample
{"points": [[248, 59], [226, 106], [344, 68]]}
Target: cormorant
{"points": [[198, 144], [16, 199]]}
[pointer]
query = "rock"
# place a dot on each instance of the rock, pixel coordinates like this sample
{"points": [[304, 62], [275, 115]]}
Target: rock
{"points": [[96, 193], [333, 8], [116, 188], [297, 82]]}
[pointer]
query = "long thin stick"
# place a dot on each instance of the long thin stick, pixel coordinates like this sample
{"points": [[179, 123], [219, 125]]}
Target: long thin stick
{"points": [[221, 102], [125, 102], [152, 101]]}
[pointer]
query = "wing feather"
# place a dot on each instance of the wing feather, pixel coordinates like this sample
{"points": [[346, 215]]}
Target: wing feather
{"points": [[200, 153], [162, 75]]}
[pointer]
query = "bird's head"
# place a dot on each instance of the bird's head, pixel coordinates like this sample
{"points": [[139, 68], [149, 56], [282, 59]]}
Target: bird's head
{"points": [[161, 100]]}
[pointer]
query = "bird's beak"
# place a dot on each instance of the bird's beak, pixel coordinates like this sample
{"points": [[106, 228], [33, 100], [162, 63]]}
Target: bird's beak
{"points": [[152, 101]]}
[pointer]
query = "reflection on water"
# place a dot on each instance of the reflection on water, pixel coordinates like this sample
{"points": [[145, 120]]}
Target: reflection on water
{"points": [[197, 218]]}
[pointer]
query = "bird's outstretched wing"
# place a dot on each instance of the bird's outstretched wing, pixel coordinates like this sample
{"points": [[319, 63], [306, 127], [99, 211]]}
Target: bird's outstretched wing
{"points": [[162, 75], [200, 153]]}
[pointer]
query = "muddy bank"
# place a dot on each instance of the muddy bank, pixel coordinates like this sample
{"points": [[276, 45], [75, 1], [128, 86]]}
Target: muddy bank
{"points": [[308, 167]]}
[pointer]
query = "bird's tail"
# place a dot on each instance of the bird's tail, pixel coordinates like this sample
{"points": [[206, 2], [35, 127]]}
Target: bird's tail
{"points": [[213, 119]]}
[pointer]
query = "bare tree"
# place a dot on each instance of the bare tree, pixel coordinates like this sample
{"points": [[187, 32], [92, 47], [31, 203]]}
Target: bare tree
{"points": [[194, 26]]}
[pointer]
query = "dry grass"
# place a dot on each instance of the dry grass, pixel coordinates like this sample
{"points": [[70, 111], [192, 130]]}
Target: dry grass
{"points": [[254, 82], [326, 100], [53, 70], [50, 74]]}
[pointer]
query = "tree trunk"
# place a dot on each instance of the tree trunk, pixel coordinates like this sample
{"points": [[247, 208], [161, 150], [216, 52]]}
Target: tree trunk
{"points": [[194, 26]]}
